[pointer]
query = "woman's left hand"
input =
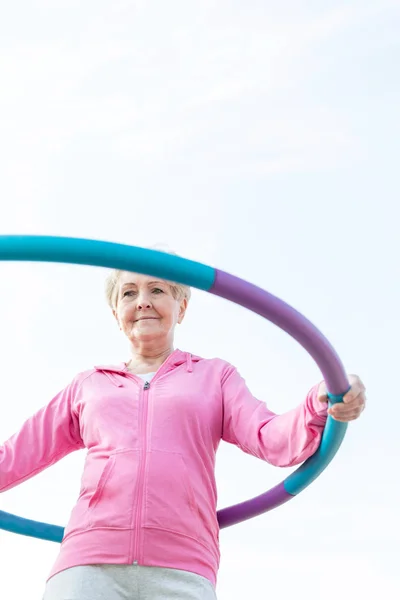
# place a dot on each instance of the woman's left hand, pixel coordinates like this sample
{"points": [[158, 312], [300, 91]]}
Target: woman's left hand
{"points": [[353, 401]]}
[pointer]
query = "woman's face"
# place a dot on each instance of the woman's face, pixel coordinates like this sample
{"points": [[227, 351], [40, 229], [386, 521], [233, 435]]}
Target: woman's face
{"points": [[146, 309]]}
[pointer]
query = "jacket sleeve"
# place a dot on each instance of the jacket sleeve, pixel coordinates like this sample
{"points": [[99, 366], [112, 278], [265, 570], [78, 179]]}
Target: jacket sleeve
{"points": [[45, 438], [282, 440]]}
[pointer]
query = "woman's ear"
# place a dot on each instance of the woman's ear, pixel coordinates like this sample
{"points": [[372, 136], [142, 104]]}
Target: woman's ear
{"points": [[182, 310], [116, 317]]}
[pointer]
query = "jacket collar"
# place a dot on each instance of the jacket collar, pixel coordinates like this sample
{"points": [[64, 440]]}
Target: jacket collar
{"points": [[175, 359]]}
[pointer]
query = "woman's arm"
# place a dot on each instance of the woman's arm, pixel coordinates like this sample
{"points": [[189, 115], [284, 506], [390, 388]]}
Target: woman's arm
{"points": [[45, 438], [283, 440]]}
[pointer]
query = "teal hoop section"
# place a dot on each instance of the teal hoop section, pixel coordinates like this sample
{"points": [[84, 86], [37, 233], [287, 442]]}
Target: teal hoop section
{"points": [[106, 254], [180, 270], [332, 438]]}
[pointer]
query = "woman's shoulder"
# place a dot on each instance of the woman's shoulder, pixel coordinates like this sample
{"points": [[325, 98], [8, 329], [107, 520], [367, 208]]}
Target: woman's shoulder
{"points": [[86, 374], [214, 363]]}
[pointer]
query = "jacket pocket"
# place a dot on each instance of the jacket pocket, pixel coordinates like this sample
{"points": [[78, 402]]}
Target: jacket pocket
{"points": [[113, 501], [169, 501], [108, 493]]}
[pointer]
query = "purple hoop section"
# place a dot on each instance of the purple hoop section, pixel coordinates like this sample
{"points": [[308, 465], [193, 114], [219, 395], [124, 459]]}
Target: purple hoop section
{"points": [[248, 509], [287, 318]]}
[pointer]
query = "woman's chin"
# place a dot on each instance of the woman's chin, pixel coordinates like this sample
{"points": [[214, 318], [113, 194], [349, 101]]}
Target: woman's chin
{"points": [[148, 336]]}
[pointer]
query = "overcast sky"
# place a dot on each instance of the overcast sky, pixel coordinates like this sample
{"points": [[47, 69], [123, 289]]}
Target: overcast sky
{"points": [[258, 137]]}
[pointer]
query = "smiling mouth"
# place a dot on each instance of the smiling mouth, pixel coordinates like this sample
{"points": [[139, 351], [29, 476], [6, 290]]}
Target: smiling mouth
{"points": [[146, 319]]}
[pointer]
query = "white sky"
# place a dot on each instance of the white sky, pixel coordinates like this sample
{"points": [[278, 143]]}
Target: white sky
{"points": [[258, 137]]}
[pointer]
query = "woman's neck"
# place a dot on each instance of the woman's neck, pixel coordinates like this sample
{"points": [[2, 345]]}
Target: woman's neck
{"points": [[148, 361]]}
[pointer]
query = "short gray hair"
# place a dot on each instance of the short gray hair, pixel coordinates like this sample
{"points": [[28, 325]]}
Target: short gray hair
{"points": [[179, 290]]}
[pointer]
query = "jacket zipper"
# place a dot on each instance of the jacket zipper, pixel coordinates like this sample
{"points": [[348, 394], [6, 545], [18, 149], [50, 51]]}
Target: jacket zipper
{"points": [[142, 470]]}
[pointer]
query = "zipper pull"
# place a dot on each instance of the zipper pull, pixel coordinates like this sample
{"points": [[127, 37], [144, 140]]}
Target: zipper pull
{"points": [[146, 385]]}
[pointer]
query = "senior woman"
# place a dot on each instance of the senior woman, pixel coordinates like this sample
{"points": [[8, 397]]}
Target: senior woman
{"points": [[145, 522]]}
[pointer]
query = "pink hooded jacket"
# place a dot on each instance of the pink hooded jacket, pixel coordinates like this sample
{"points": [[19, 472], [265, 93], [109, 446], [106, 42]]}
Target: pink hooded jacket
{"points": [[148, 493]]}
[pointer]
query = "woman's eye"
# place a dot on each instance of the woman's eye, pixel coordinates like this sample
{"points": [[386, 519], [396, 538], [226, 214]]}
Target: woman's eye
{"points": [[128, 293], [158, 291]]}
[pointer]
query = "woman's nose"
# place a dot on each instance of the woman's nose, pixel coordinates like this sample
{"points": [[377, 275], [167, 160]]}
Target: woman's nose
{"points": [[143, 302], [143, 305]]}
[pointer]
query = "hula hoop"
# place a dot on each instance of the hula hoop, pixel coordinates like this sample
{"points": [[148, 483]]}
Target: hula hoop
{"points": [[181, 270]]}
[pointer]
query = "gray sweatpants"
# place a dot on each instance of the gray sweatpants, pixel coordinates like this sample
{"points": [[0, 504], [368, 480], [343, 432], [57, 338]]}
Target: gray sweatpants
{"points": [[127, 582]]}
